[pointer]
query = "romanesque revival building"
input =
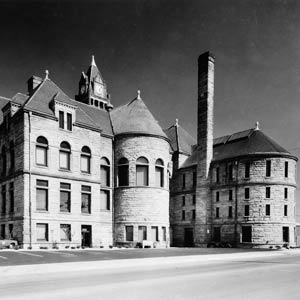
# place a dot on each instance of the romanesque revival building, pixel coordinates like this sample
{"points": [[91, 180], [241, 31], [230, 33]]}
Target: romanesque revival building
{"points": [[78, 172]]}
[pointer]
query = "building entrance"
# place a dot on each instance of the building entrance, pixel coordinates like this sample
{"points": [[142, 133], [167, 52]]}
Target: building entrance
{"points": [[246, 234], [188, 237], [86, 235]]}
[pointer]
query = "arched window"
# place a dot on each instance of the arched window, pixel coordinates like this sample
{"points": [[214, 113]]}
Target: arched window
{"points": [[123, 168], [142, 167], [159, 173], [41, 156], [64, 156], [105, 172], [3, 158], [12, 155], [85, 159]]}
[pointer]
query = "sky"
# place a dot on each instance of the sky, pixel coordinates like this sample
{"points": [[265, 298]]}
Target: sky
{"points": [[154, 45]]}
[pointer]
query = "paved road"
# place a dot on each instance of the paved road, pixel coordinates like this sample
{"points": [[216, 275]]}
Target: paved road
{"points": [[254, 278], [23, 257]]}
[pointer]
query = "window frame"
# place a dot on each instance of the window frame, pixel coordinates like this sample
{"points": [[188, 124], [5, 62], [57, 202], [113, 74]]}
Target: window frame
{"points": [[107, 204], [42, 185], [65, 151], [65, 189], [144, 167], [46, 237], [44, 147], [61, 119], [105, 172], [123, 172], [159, 169], [85, 154], [86, 190]]}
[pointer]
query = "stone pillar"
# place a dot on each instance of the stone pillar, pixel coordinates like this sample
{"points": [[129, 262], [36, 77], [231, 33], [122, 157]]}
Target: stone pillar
{"points": [[204, 147]]}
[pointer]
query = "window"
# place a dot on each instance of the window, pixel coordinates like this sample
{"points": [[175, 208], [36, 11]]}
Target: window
{"points": [[65, 197], [142, 171], [11, 197], [246, 212], [61, 119], [246, 234], [230, 195], [247, 169], [41, 152], [286, 195], [12, 155], [230, 172], [183, 215], [217, 174], [285, 235], [3, 158], [105, 172], [42, 232], [194, 199], [2, 231], [42, 195], [154, 233], [217, 196], [247, 193], [164, 233], [285, 210], [268, 210], [64, 156], [3, 194], [85, 160], [229, 211], [69, 122], [123, 165], [183, 200], [217, 234], [183, 181], [86, 199], [194, 179], [104, 200], [159, 173], [286, 169], [129, 233], [65, 232], [217, 212], [10, 231], [268, 168], [268, 192], [142, 233], [193, 214]]}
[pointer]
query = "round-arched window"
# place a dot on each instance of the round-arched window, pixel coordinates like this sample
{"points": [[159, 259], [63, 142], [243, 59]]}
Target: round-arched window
{"points": [[142, 171], [159, 173], [41, 156], [65, 156], [105, 172], [123, 172], [85, 158]]}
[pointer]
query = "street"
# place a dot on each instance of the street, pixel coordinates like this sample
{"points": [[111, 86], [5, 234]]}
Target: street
{"points": [[230, 276]]}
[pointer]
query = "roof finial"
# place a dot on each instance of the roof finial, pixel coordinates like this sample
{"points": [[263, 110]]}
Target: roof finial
{"points": [[256, 126], [176, 122], [47, 74], [93, 61], [138, 95]]}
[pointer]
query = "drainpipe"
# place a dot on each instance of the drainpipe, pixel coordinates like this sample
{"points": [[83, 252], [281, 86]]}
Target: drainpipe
{"points": [[29, 161]]}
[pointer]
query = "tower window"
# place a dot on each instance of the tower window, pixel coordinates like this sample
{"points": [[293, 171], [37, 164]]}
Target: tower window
{"points": [[286, 169], [217, 196], [217, 174], [247, 193], [285, 210], [268, 210], [159, 173], [217, 212], [229, 211], [230, 195], [268, 168], [183, 200], [230, 172], [285, 193], [246, 212], [268, 192], [142, 172], [183, 215], [123, 168], [247, 169]]}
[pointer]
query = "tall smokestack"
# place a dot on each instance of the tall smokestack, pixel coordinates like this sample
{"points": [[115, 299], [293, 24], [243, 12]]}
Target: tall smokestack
{"points": [[204, 147]]}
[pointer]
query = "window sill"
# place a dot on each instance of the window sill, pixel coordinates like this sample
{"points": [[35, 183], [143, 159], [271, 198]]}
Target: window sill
{"points": [[42, 211], [85, 173], [42, 166], [64, 170], [65, 212], [105, 210], [86, 214]]}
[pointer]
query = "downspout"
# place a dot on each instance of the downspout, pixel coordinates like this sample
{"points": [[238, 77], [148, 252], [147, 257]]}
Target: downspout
{"points": [[29, 160]]}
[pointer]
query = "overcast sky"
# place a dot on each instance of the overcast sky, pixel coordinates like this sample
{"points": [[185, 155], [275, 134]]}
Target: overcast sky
{"points": [[153, 46]]}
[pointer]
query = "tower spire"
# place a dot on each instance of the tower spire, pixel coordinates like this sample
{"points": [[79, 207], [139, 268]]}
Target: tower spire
{"points": [[93, 61]]}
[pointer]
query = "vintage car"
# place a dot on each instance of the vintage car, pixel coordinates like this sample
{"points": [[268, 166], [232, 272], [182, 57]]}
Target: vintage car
{"points": [[6, 243]]}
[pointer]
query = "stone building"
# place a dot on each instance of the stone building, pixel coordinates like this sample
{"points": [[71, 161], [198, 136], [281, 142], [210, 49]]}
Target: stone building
{"points": [[78, 172]]}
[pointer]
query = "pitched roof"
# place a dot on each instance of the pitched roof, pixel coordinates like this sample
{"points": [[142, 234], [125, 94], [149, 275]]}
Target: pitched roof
{"points": [[244, 143], [19, 98], [135, 117], [85, 114], [3, 102]]}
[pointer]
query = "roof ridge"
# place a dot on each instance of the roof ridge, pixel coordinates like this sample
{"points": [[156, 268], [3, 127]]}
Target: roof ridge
{"points": [[229, 135], [30, 97]]}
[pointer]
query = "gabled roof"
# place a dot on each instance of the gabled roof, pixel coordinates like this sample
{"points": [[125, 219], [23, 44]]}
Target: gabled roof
{"points": [[135, 117]]}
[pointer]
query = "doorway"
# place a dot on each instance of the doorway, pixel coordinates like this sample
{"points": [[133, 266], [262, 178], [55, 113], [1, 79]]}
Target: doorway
{"points": [[188, 237], [246, 234], [86, 235]]}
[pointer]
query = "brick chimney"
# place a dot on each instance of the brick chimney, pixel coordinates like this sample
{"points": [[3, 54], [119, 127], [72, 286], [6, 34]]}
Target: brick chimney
{"points": [[204, 147], [32, 83]]}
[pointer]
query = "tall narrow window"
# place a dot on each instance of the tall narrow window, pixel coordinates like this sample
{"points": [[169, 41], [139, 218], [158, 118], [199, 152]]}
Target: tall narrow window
{"points": [[286, 194], [123, 172], [104, 200], [183, 200], [3, 194], [42, 195], [217, 196], [193, 214], [286, 169], [142, 233], [42, 232], [41, 153], [129, 233], [11, 231], [217, 174], [65, 197], [164, 233], [3, 158], [11, 197], [105, 172], [154, 233], [246, 212], [194, 199], [230, 195], [285, 210], [61, 119], [194, 179], [268, 192], [183, 181], [268, 210], [64, 156], [217, 212], [65, 232], [86, 199], [69, 122], [230, 172], [142, 172], [229, 211], [183, 215], [247, 193], [285, 234], [159, 173], [268, 168], [247, 169], [85, 158], [12, 155]]}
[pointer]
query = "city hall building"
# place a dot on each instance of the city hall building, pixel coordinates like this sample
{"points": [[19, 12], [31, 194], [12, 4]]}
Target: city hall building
{"points": [[79, 172]]}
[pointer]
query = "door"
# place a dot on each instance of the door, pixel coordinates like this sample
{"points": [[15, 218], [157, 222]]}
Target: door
{"points": [[246, 234], [86, 235], [217, 234], [188, 237], [285, 235]]}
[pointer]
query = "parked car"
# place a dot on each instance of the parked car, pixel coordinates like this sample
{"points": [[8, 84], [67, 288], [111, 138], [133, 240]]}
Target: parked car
{"points": [[6, 243]]}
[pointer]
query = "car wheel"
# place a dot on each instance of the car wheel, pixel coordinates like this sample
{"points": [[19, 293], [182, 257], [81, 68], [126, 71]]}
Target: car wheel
{"points": [[12, 246]]}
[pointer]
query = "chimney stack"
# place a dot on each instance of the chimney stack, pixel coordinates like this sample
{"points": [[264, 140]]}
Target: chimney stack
{"points": [[32, 83]]}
